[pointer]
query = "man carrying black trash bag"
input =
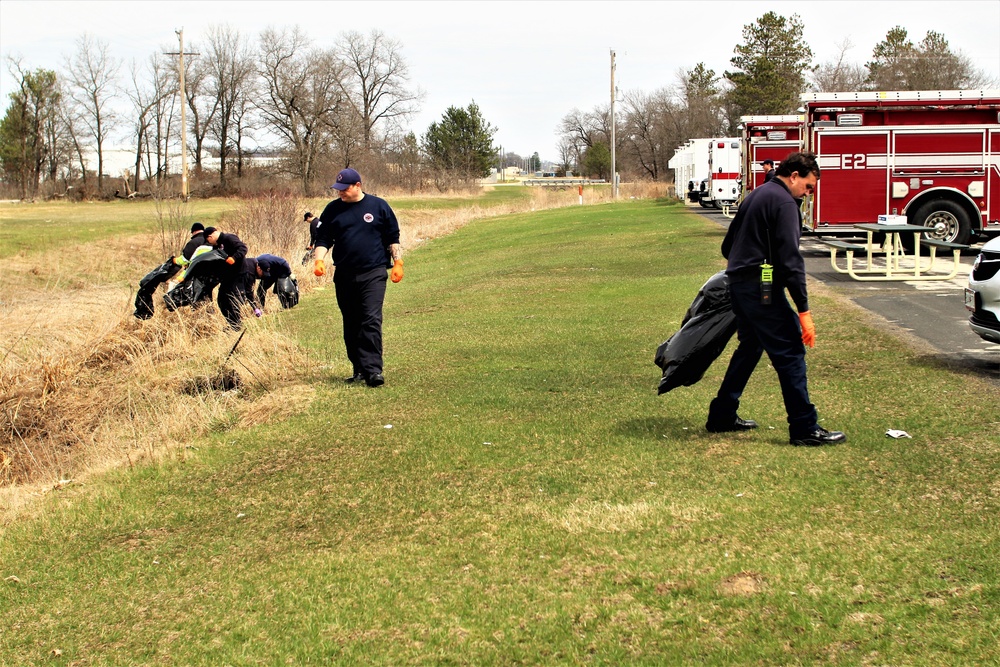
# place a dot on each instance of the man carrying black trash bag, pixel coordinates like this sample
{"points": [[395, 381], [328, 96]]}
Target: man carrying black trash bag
{"points": [[762, 246]]}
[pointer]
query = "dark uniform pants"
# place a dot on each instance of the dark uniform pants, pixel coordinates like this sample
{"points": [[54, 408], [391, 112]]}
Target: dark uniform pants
{"points": [[360, 297], [774, 329], [232, 296]]}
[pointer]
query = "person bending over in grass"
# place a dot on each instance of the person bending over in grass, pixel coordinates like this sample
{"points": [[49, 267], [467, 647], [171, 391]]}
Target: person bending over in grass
{"points": [[234, 275], [270, 269]]}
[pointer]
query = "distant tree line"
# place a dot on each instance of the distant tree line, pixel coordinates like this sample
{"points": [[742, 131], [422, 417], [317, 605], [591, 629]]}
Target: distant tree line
{"points": [[771, 67], [313, 109]]}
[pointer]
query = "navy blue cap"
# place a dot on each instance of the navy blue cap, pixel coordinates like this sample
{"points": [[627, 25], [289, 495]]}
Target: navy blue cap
{"points": [[346, 178]]}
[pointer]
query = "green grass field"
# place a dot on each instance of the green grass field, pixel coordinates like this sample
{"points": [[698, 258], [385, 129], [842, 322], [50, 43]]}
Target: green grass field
{"points": [[518, 494]]}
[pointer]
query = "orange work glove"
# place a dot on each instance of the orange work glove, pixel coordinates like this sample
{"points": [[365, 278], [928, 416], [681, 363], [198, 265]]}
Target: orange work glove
{"points": [[808, 329], [230, 261], [397, 271], [319, 269]]}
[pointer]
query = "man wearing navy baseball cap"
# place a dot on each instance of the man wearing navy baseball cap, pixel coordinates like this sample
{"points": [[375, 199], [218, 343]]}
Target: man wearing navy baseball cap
{"points": [[364, 234]]}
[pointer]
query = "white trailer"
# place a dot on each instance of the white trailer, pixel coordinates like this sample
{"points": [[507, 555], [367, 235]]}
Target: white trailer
{"points": [[690, 165]]}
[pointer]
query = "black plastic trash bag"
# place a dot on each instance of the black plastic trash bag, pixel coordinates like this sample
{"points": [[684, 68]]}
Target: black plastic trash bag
{"points": [[148, 286], [200, 278], [706, 329], [287, 290]]}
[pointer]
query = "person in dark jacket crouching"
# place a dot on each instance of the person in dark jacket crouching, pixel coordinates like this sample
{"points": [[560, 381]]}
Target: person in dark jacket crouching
{"points": [[236, 277], [270, 269]]}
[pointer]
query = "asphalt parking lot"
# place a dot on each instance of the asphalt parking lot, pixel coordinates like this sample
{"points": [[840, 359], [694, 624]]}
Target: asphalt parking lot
{"points": [[932, 312]]}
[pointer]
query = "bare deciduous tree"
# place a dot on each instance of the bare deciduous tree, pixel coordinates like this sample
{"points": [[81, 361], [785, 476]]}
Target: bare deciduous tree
{"points": [[147, 93], [582, 130], [839, 74], [302, 96], [166, 86], [93, 77], [201, 104], [376, 84], [644, 131], [230, 71]]}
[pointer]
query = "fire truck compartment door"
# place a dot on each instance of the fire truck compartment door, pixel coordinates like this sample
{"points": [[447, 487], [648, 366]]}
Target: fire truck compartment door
{"points": [[854, 179]]}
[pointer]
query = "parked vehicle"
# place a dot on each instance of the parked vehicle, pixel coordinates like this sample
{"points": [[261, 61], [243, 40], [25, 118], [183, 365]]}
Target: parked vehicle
{"points": [[723, 187], [766, 138], [933, 156], [690, 165], [982, 296]]}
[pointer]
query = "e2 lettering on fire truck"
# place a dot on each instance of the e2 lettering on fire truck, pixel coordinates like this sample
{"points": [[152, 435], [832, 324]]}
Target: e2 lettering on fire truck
{"points": [[933, 156]]}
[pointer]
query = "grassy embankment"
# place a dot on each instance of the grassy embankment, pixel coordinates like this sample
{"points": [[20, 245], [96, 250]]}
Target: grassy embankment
{"points": [[534, 501]]}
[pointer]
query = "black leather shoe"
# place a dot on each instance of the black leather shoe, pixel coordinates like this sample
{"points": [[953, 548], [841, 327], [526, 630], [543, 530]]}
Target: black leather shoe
{"points": [[357, 377], [375, 380], [738, 425], [819, 437]]}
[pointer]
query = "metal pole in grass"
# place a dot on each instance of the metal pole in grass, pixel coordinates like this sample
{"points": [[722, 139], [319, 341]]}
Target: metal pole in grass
{"points": [[235, 345], [226, 360], [614, 179]]}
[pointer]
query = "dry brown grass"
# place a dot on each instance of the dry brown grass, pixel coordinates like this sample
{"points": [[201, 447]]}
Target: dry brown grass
{"points": [[139, 390], [85, 387]]}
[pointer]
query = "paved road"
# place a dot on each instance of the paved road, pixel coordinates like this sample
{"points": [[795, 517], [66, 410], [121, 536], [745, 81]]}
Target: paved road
{"points": [[932, 311]]}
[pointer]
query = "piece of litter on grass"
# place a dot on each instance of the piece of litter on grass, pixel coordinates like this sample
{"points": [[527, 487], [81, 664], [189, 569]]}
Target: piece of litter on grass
{"points": [[893, 433], [487, 443], [739, 495], [388, 426]]}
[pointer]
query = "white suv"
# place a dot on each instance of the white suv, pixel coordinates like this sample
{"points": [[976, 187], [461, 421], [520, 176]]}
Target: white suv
{"points": [[982, 296]]}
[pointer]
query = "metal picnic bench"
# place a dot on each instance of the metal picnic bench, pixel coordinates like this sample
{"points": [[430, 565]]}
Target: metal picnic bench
{"points": [[893, 250]]}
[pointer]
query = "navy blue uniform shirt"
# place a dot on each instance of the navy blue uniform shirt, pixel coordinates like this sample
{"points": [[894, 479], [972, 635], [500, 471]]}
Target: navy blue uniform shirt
{"points": [[273, 267], [360, 233], [768, 227]]}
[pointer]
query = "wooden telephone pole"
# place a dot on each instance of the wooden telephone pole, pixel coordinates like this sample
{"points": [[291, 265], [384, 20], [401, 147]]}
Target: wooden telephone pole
{"points": [[183, 90]]}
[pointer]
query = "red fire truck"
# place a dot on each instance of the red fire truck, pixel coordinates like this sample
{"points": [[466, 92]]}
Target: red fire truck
{"points": [[933, 156], [766, 138]]}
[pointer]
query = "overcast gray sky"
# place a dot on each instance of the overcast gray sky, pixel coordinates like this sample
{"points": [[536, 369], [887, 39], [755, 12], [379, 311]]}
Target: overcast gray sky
{"points": [[526, 64]]}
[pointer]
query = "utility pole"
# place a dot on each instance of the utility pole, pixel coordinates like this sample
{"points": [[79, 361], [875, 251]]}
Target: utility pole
{"points": [[614, 169], [183, 90]]}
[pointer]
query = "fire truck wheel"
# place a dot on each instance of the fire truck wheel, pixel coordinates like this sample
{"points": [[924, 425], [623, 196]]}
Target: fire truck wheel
{"points": [[947, 219]]}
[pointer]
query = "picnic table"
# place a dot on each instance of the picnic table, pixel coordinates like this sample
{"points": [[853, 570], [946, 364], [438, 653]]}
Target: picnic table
{"points": [[898, 263]]}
